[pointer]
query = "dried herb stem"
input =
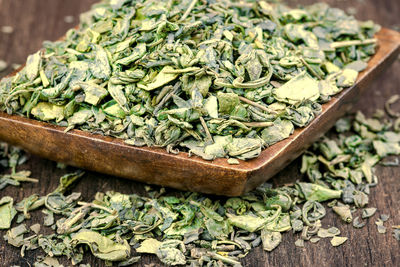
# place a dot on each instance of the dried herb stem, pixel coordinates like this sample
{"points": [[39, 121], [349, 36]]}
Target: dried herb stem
{"points": [[95, 206], [310, 69], [167, 97], [163, 92], [259, 124], [341, 44], [207, 131], [224, 259], [254, 104], [23, 178], [190, 8]]}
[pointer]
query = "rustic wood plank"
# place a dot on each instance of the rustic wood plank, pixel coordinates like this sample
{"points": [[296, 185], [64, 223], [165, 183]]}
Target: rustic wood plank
{"points": [[38, 20]]}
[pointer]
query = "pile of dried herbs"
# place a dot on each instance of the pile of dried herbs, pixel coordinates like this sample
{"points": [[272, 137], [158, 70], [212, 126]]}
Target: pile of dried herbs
{"points": [[215, 78], [200, 230]]}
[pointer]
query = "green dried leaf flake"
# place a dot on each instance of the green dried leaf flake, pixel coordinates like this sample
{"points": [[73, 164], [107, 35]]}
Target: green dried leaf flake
{"points": [[7, 212], [80, 117], [136, 54], [163, 77], [233, 162], [380, 227], [211, 106], [280, 130], [150, 245], [385, 149], [33, 65], [249, 223], [48, 111], [296, 32], [103, 247], [114, 109], [227, 102], [347, 78], [166, 251], [317, 193], [338, 240], [330, 232], [299, 243], [368, 212], [15, 236], [357, 65], [170, 252], [100, 68], [270, 240], [93, 93], [116, 91], [357, 224], [344, 213], [301, 88]]}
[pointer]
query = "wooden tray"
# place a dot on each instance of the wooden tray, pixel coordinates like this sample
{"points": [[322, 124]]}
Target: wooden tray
{"points": [[155, 166]]}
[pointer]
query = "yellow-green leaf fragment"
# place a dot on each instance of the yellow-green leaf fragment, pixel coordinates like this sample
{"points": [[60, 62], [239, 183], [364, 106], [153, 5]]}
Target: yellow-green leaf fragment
{"points": [[347, 78], [249, 223], [43, 77], [211, 106], [384, 149], [47, 111], [280, 130], [100, 68], [368, 212], [233, 161], [227, 102], [166, 251], [116, 91], [15, 236], [80, 117], [317, 192], [161, 79], [330, 232], [301, 88], [380, 227], [103, 247], [93, 93], [149, 245], [338, 240], [7, 212], [344, 213], [270, 240], [33, 65], [114, 109]]}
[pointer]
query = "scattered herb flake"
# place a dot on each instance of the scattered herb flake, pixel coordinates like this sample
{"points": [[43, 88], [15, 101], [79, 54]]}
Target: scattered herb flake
{"points": [[338, 240]]}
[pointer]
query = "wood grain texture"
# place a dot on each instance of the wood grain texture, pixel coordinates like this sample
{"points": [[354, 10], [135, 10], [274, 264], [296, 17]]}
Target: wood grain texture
{"points": [[38, 20]]}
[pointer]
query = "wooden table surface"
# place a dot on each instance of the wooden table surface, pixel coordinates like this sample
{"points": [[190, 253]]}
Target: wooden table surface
{"points": [[37, 20]]}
